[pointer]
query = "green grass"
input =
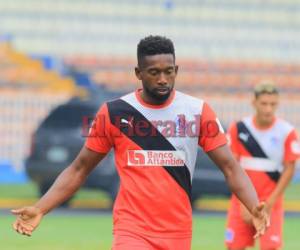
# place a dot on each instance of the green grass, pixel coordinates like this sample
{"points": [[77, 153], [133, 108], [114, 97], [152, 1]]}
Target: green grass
{"points": [[292, 192], [15, 191], [61, 233], [30, 191], [70, 232]]}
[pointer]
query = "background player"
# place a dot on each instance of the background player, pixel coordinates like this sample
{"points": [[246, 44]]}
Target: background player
{"points": [[152, 210], [267, 148]]}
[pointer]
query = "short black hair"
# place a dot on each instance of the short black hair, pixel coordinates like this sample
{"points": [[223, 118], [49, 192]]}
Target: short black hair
{"points": [[154, 45]]}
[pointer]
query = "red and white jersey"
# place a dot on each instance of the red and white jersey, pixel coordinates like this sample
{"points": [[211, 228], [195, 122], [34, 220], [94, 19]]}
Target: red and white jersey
{"points": [[155, 154], [262, 152]]}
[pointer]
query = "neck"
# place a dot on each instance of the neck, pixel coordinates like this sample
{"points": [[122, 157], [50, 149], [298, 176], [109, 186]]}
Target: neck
{"points": [[263, 124], [150, 100]]}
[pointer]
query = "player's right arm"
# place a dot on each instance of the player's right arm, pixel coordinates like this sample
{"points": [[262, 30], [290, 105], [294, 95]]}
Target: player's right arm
{"points": [[98, 144], [66, 184]]}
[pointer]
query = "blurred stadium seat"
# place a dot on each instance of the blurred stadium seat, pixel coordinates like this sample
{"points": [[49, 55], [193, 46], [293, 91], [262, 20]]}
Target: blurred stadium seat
{"points": [[28, 92], [223, 49], [205, 29]]}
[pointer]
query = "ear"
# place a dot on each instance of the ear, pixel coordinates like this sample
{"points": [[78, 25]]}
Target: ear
{"points": [[138, 73]]}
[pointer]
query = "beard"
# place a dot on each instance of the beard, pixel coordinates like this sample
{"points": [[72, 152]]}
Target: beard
{"points": [[156, 95]]}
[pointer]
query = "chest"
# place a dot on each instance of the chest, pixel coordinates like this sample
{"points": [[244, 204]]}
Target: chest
{"points": [[272, 142]]}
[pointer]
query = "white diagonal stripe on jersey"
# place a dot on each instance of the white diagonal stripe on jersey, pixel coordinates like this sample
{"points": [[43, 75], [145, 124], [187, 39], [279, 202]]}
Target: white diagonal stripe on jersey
{"points": [[259, 164], [182, 104]]}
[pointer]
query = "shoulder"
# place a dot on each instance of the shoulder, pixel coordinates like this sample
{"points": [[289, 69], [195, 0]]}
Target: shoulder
{"points": [[117, 102], [123, 97], [188, 97], [247, 120], [188, 100], [284, 126], [243, 121], [236, 126]]}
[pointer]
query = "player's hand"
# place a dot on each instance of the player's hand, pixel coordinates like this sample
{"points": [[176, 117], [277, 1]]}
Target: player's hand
{"points": [[260, 219], [28, 218]]}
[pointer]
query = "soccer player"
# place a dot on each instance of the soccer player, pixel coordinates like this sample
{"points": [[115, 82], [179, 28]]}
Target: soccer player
{"points": [[267, 148], [154, 132]]}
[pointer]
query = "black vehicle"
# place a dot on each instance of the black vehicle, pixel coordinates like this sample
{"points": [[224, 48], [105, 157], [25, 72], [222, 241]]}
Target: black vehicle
{"points": [[59, 139], [208, 180], [56, 143]]}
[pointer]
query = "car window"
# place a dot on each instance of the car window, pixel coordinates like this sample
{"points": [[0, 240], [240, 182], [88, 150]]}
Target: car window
{"points": [[68, 116]]}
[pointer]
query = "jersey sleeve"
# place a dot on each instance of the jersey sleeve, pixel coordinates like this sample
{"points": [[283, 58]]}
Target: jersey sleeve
{"points": [[99, 138], [212, 134], [232, 135], [292, 147]]}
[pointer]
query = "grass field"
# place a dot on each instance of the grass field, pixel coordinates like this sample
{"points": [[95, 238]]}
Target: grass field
{"points": [[29, 191], [70, 232], [93, 232]]}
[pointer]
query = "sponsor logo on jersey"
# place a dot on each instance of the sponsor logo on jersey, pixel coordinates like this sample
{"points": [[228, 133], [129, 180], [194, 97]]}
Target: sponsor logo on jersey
{"points": [[129, 121], [154, 158], [244, 136]]}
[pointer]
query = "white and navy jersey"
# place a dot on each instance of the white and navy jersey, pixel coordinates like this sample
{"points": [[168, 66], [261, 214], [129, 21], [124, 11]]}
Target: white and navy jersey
{"points": [[155, 153], [262, 152]]}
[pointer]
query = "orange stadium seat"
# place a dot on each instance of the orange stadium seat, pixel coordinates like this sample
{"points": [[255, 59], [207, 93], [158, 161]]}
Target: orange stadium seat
{"points": [[224, 75]]}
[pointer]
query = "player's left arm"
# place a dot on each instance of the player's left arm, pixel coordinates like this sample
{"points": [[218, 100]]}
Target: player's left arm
{"points": [[284, 180], [213, 141], [291, 154], [240, 184], [236, 178]]}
